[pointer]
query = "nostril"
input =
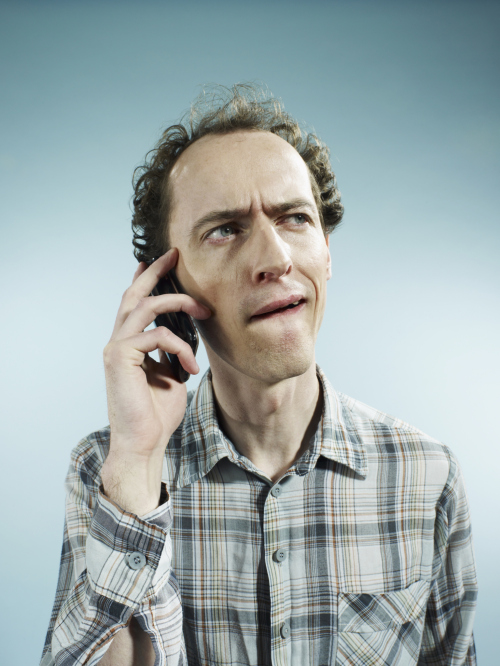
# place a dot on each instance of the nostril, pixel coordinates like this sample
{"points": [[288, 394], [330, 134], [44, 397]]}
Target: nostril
{"points": [[276, 273]]}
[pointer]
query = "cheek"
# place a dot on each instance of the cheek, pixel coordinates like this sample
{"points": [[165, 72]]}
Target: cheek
{"points": [[316, 269], [216, 289], [199, 279], [317, 264]]}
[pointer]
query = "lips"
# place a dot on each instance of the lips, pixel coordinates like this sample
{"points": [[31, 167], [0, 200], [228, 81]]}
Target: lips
{"points": [[294, 300]]}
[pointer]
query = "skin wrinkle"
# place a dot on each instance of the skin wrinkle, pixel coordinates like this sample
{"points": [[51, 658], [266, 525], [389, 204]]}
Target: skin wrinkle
{"points": [[238, 213]]}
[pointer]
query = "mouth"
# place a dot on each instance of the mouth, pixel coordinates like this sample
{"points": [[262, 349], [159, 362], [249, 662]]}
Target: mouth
{"points": [[291, 305]]}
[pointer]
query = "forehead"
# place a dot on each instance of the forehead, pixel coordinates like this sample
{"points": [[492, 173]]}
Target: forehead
{"points": [[237, 170]]}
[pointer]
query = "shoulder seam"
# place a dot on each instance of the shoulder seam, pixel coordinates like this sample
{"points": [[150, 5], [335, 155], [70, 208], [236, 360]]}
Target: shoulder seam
{"points": [[384, 418]]}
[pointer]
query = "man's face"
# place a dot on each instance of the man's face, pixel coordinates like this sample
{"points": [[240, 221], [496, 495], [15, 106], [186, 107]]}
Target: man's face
{"points": [[247, 228]]}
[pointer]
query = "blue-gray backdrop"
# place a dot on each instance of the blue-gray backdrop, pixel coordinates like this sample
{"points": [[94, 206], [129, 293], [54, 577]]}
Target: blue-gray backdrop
{"points": [[405, 93]]}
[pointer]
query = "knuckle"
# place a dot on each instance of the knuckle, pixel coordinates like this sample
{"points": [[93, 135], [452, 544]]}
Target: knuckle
{"points": [[164, 333], [126, 294], [114, 348], [131, 297], [108, 352]]}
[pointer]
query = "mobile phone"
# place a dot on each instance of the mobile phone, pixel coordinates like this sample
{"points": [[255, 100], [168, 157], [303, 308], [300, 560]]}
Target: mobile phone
{"points": [[179, 323]]}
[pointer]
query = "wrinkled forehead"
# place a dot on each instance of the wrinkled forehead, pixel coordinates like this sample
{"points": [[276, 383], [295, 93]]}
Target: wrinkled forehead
{"points": [[235, 170]]}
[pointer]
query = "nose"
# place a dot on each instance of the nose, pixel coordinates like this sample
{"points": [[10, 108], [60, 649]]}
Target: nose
{"points": [[270, 255]]}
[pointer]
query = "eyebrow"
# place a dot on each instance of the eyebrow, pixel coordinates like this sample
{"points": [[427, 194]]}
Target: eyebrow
{"points": [[235, 213]]}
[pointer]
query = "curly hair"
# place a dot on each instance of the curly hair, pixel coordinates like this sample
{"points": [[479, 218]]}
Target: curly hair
{"points": [[222, 111]]}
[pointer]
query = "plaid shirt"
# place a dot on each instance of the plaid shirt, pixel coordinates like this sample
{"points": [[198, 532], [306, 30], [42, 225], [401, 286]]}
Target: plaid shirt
{"points": [[360, 554]]}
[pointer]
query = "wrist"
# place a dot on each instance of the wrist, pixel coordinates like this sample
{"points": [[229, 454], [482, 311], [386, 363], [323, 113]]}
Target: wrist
{"points": [[132, 482]]}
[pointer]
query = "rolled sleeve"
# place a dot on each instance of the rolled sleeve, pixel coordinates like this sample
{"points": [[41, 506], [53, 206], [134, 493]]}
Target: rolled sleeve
{"points": [[114, 564], [115, 535]]}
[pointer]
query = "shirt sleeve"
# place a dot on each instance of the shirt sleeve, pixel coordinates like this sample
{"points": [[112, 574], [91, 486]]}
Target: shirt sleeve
{"points": [[448, 639], [114, 565]]}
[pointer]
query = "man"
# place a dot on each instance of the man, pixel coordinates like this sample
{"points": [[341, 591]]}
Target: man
{"points": [[267, 519]]}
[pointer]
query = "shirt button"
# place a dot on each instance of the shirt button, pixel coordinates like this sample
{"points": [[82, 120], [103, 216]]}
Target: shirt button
{"points": [[135, 560], [279, 555], [285, 630], [276, 491]]}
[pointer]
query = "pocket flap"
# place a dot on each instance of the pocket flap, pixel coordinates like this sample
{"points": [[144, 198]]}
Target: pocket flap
{"points": [[365, 613]]}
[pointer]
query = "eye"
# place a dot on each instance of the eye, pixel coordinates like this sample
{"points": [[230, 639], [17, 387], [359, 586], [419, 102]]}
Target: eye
{"points": [[224, 231], [299, 218]]}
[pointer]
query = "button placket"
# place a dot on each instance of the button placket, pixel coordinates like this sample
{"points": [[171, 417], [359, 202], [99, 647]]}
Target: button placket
{"points": [[275, 532]]}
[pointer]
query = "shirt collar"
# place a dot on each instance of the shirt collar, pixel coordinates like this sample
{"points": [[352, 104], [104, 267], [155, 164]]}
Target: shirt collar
{"points": [[340, 439], [199, 443]]}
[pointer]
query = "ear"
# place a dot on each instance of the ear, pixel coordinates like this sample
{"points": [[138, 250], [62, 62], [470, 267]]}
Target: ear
{"points": [[329, 260]]}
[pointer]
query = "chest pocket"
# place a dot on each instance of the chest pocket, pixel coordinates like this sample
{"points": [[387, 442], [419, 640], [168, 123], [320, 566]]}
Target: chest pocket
{"points": [[376, 629]]}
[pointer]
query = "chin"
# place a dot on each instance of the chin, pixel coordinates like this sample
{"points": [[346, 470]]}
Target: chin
{"points": [[268, 364], [278, 368]]}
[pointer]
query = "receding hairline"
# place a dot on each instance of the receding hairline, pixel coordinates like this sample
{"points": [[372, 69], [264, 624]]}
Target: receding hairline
{"points": [[218, 136], [168, 191]]}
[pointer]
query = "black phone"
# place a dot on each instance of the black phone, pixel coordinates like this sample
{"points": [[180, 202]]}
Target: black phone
{"points": [[179, 323]]}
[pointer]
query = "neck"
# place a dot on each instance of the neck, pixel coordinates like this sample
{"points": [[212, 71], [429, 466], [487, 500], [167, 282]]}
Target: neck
{"points": [[270, 424]]}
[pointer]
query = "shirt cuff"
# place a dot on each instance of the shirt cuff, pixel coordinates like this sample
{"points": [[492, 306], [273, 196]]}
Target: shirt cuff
{"points": [[128, 556]]}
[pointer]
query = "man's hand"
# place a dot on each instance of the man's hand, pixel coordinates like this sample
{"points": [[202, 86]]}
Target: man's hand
{"points": [[145, 402]]}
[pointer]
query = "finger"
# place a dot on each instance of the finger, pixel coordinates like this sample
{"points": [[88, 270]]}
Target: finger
{"points": [[150, 365], [148, 279], [149, 308], [143, 283], [120, 353], [172, 344], [140, 269], [158, 372]]}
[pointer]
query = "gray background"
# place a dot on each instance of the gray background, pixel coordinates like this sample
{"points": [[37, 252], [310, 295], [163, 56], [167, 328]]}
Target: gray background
{"points": [[405, 94]]}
